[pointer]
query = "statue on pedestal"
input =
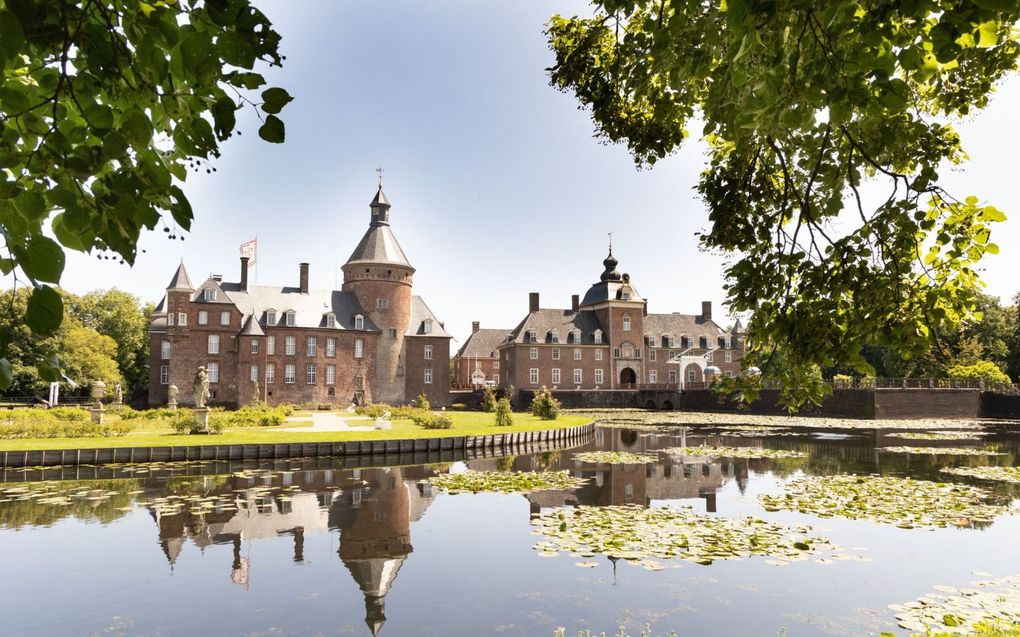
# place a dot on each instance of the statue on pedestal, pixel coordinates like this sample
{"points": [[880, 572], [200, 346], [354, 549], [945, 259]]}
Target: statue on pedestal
{"points": [[172, 394], [256, 395], [118, 395], [201, 387]]}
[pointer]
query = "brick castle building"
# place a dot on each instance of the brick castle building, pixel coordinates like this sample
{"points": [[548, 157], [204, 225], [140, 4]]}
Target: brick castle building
{"points": [[605, 340], [370, 341]]}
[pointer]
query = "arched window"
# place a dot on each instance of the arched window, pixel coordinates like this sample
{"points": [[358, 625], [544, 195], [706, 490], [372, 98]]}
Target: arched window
{"points": [[685, 342], [575, 336], [359, 322], [553, 336], [703, 342], [531, 336], [290, 316], [598, 337]]}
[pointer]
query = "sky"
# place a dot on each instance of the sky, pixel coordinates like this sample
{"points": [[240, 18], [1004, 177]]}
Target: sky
{"points": [[497, 184]]}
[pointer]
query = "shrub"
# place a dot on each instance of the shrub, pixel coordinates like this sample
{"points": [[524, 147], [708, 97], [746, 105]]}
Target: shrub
{"points": [[64, 423], [544, 406], [183, 422], [422, 402], [504, 415], [842, 381], [431, 420], [488, 399], [458, 406], [251, 416], [981, 370]]}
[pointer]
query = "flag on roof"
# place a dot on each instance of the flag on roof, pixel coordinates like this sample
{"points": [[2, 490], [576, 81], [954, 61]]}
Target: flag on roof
{"points": [[250, 249]]}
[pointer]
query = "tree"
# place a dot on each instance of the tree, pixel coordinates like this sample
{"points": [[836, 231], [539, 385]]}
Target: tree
{"points": [[1013, 341], [104, 106], [87, 356], [802, 102], [122, 317], [981, 370]]}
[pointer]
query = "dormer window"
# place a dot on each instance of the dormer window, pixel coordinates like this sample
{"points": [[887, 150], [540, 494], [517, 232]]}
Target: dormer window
{"points": [[554, 336], [722, 342], [290, 318], [598, 337], [575, 336], [330, 320], [270, 317], [427, 326], [208, 294], [703, 343], [531, 337], [359, 322], [669, 341], [685, 342]]}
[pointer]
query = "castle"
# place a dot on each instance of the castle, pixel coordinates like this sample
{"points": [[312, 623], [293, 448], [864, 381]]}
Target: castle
{"points": [[371, 341]]}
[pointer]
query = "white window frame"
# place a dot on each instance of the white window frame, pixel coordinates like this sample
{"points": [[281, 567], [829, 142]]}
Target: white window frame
{"points": [[577, 353], [208, 294], [170, 318], [428, 376], [330, 320], [533, 375], [359, 348], [311, 371], [599, 354], [599, 376], [290, 346], [495, 364], [330, 346], [359, 322], [672, 376], [213, 371], [331, 374], [291, 318], [289, 374], [556, 354], [692, 376], [270, 317], [533, 354], [270, 373], [203, 317], [554, 336], [270, 346], [626, 322], [182, 319], [311, 346], [253, 372], [428, 352], [254, 346], [164, 350], [598, 337], [382, 304], [729, 357], [653, 376], [213, 344], [555, 376], [651, 355], [164, 374], [225, 318], [427, 326], [578, 375]]}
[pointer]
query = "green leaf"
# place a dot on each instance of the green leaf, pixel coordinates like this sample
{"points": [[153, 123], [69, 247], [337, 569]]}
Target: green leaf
{"points": [[274, 99], [273, 130], [42, 259], [45, 311], [49, 369], [223, 116], [99, 116], [12, 37]]}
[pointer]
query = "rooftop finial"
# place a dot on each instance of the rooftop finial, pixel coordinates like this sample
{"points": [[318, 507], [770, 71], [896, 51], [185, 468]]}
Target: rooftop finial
{"points": [[610, 243], [380, 171]]}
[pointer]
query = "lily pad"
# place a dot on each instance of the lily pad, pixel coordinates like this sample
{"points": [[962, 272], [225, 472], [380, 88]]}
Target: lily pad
{"points": [[991, 605], [615, 457], [902, 502], [506, 482], [937, 435], [942, 451], [734, 452], [995, 474]]}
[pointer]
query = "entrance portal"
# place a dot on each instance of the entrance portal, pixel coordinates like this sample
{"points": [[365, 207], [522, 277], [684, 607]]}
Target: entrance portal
{"points": [[627, 376]]}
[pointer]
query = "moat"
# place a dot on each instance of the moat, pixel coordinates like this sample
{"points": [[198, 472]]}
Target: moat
{"points": [[320, 547]]}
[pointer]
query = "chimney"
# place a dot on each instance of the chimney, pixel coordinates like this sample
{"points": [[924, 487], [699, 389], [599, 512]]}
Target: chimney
{"points": [[244, 274], [706, 310], [533, 302], [217, 277], [575, 302], [475, 326], [304, 278]]}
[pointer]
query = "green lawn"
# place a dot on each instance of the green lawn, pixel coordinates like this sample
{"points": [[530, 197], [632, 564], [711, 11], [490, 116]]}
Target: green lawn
{"points": [[464, 424]]}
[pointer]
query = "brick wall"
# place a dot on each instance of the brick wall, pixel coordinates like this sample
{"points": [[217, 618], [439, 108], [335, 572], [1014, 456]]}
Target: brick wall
{"points": [[438, 391]]}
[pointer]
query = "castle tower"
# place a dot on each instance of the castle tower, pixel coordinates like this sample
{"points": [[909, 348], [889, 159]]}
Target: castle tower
{"points": [[380, 276]]}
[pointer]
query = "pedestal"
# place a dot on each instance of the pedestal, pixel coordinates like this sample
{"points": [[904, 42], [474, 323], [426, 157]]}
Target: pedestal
{"points": [[202, 413], [97, 414], [172, 405]]}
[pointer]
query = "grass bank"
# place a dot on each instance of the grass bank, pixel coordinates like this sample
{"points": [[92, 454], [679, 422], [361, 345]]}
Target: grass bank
{"points": [[464, 424]]}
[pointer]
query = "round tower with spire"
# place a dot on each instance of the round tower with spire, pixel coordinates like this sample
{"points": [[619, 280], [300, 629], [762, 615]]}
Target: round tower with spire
{"points": [[380, 276]]}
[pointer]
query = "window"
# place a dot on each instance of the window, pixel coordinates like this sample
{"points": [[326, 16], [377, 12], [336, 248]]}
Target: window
{"points": [[331, 320], [651, 355], [331, 346], [729, 357], [214, 372], [359, 382], [311, 346], [728, 374], [208, 294], [330, 374], [703, 343], [382, 304], [598, 337], [164, 350], [495, 378], [653, 376], [495, 364], [290, 319], [271, 345], [626, 322], [271, 317], [684, 342], [290, 346], [428, 376], [164, 374], [577, 376], [359, 347], [393, 332], [203, 317], [598, 354], [670, 342], [598, 376], [533, 352], [577, 354], [214, 344], [554, 336], [555, 376], [427, 326], [359, 322], [428, 352], [533, 376], [577, 335], [556, 353], [616, 352], [253, 372], [310, 374], [692, 375], [708, 357], [224, 318], [531, 337], [170, 318], [270, 373], [288, 374], [672, 375]]}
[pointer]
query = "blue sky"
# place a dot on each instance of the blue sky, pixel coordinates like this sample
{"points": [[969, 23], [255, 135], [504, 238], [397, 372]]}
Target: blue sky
{"points": [[497, 185]]}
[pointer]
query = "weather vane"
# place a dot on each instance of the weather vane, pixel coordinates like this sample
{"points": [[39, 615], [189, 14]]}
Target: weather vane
{"points": [[610, 242], [380, 171]]}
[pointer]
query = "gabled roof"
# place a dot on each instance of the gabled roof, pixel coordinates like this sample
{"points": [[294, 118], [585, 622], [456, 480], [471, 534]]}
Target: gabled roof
{"points": [[543, 321], [309, 308], [482, 343], [419, 314], [379, 246], [199, 295], [180, 280]]}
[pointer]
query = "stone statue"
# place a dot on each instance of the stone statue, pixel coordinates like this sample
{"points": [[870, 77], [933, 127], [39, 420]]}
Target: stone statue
{"points": [[201, 387], [256, 395], [118, 395], [172, 394]]}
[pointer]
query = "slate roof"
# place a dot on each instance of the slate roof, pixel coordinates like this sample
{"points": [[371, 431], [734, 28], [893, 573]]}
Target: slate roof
{"points": [[309, 309], [482, 343], [379, 246], [251, 327], [609, 291], [679, 325], [543, 321], [180, 280], [419, 313]]}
